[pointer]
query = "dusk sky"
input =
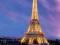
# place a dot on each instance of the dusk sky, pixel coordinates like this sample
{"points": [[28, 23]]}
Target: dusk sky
{"points": [[15, 17]]}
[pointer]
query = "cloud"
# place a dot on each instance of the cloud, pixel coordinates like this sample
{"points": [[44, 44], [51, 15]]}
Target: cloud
{"points": [[58, 6], [50, 22], [15, 16], [45, 4], [23, 3]]}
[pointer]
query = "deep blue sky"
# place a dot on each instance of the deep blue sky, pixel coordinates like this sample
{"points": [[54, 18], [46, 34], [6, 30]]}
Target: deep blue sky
{"points": [[15, 16]]}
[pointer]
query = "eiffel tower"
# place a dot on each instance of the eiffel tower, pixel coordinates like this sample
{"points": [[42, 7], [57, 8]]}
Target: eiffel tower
{"points": [[34, 35]]}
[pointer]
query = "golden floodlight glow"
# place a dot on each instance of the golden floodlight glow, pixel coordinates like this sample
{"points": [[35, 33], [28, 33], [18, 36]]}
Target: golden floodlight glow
{"points": [[34, 33]]}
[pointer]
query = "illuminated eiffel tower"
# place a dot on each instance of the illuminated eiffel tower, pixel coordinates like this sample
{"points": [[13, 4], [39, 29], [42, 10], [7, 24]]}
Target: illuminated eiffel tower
{"points": [[34, 35]]}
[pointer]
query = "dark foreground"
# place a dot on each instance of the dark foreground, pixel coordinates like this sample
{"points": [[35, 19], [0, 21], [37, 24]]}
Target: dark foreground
{"points": [[9, 41]]}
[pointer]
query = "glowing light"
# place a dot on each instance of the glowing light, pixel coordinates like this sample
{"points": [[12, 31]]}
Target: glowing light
{"points": [[35, 28], [23, 40]]}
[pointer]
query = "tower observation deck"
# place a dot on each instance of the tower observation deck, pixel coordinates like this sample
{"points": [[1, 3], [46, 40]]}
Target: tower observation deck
{"points": [[34, 34]]}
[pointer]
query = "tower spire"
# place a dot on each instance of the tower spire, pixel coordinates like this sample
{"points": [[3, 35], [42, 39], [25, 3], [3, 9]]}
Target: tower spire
{"points": [[34, 33], [34, 10]]}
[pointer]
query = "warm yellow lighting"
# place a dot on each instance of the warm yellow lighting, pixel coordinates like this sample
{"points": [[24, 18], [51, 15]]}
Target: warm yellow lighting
{"points": [[34, 10], [23, 40], [34, 30], [30, 40]]}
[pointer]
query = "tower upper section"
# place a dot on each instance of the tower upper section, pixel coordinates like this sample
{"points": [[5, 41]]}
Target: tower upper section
{"points": [[34, 10]]}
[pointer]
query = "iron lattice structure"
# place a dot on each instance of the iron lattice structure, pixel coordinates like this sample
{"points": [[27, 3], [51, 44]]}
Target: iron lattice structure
{"points": [[34, 33]]}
